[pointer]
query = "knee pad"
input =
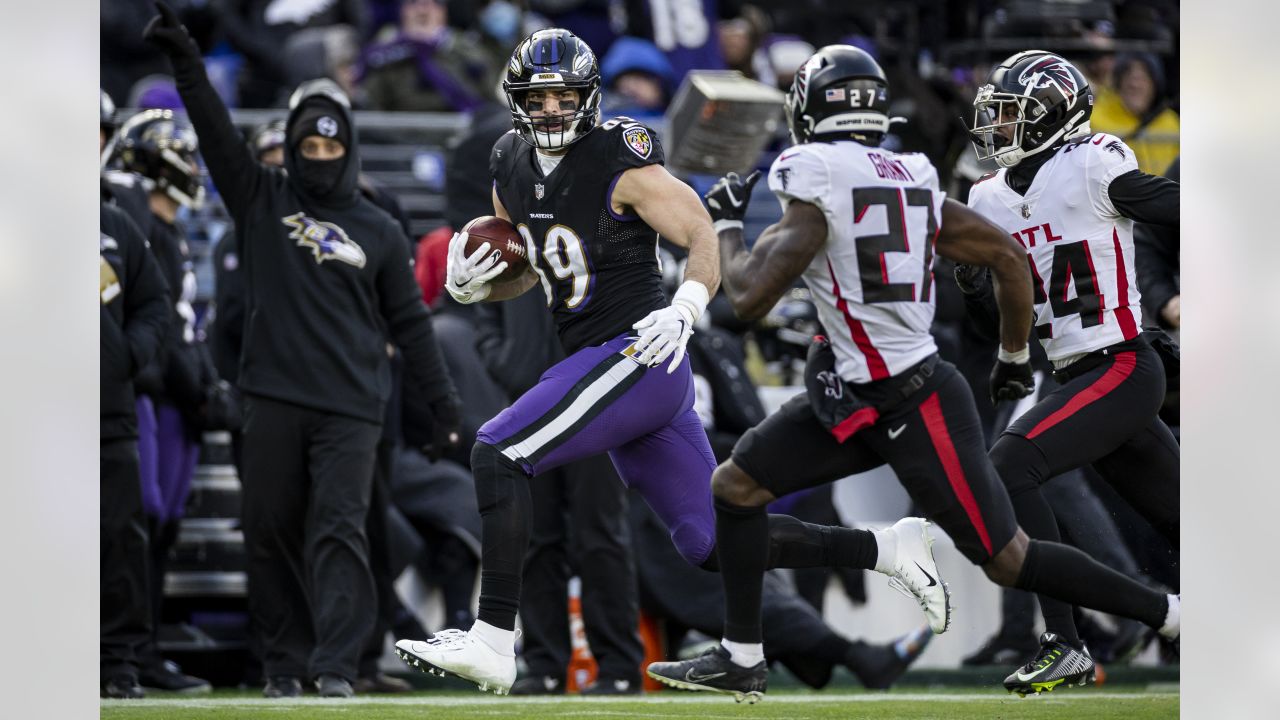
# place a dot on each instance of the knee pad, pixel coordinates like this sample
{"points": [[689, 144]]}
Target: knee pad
{"points": [[1019, 462]]}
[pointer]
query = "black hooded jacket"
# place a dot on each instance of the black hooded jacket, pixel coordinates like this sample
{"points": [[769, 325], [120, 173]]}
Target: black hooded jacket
{"points": [[328, 281], [135, 318]]}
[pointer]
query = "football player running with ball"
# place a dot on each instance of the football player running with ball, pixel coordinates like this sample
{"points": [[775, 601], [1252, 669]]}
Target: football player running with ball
{"points": [[589, 202], [860, 226], [1070, 198]]}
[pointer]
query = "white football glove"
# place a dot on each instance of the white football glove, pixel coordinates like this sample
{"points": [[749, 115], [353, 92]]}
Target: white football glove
{"points": [[467, 278], [664, 333]]}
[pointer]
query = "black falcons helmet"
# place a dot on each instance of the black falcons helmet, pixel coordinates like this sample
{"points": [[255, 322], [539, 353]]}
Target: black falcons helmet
{"points": [[161, 147], [1044, 99], [839, 93], [553, 58]]}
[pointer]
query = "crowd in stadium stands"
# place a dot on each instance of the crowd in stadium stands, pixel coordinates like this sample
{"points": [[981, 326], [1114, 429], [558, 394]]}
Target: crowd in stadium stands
{"points": [[449, 56]]}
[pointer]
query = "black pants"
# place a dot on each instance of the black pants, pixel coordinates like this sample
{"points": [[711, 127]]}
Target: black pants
{"points": [[1105, 415], [933, 441], [580, 520], [305, 499], [380, 559], [123, 590]]}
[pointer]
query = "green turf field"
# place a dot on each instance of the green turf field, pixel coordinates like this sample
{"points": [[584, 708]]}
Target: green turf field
{"points": [[1136, 703]]}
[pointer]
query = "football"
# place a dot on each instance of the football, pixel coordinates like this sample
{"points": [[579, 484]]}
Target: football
{"points": [[502, 237]]}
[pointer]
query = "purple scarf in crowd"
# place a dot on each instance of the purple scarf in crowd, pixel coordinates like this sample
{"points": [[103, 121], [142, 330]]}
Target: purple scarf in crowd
{"points": [[430, 74]]}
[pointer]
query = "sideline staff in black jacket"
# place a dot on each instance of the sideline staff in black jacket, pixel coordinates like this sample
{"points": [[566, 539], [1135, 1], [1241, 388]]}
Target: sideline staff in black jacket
{"points": [[135, 317], [325, 273]]}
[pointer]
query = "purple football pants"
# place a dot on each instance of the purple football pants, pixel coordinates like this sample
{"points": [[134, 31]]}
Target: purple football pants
{"points": [[599, 400], [167, 459]]}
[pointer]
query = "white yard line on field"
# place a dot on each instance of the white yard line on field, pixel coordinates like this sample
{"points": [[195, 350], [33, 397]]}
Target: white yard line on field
{"points": [[660, 699]]}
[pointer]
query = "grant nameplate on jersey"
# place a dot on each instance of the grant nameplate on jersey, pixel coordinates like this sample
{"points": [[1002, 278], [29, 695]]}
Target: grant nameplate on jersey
{"points": [[719, 122]]}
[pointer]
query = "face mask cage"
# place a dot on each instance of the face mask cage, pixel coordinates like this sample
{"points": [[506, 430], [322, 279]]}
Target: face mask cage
{"points": [[539, 132], [994, 111]]}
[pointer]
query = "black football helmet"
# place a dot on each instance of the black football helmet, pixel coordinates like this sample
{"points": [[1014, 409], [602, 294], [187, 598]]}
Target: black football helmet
{"points": [[553, 58], [840, 93], [161, 147], [267, 137], [1043, 98]]}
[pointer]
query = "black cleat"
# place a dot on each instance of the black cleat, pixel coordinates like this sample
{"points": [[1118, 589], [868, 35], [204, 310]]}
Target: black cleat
{"points": [[122, 687], [167, 676], [283, 686], [1057, 663], [334, 686], [714, 671], [538, 685]]}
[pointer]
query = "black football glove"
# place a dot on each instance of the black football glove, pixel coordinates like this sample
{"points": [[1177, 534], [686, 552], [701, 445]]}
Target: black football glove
{"points": [[727, 199], [446, 428], [972, 279], [1011, 381], [167, 32]]}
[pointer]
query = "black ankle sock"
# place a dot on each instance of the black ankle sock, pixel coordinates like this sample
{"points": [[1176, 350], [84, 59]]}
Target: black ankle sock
{"points": [[796, 544], [742, 548], [1073, 577], [499, 599]]}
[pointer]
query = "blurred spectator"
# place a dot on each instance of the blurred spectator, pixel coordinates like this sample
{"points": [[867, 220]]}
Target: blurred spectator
{"points": [[260, 30], [786, 53], [155, 92], [438, 501], [684, 31], [595, 22], [1139, 112], [1158, 259], [637, 80], [331, 51], [740, 40], [125, 57], [135, 317], [428, 66]]}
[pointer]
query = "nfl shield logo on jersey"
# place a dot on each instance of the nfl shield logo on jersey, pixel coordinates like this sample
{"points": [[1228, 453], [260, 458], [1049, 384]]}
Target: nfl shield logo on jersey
{"points": [[538, 190], [1026, 211], [638, 140]]}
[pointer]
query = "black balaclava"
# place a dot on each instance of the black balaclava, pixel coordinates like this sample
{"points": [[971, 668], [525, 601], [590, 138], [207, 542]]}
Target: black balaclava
{"points": [[319, 116]]}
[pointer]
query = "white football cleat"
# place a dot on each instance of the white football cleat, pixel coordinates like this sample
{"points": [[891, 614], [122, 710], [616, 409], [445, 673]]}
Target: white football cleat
{"points": [[459, 653], [915, 574]]}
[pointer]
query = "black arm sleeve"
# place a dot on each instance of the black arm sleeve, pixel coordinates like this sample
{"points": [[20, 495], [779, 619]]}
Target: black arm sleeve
{"points": [[146, 298], [409, 323], [231, 165], [1146, 198]]}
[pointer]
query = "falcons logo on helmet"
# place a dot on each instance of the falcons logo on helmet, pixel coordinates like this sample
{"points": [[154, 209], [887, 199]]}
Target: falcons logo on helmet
{"points": [[1051, 71]]}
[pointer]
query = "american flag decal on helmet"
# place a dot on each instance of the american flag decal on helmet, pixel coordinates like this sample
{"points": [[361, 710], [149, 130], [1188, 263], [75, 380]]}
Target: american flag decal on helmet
{"points": [[1051, 71]]}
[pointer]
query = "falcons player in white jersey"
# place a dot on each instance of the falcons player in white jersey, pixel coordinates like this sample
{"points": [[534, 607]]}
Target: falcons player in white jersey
{"points": [[1070, 198], [860, 226]]}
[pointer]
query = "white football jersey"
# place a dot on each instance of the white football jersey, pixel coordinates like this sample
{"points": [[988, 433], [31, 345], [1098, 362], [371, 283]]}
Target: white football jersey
{"points": [[1079, 246], [872, 281]]}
